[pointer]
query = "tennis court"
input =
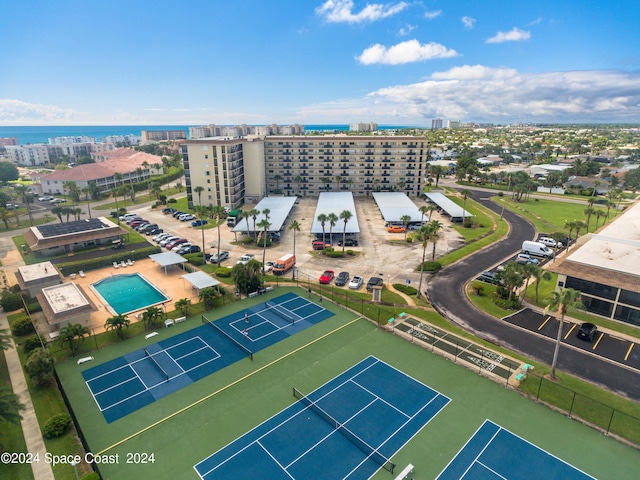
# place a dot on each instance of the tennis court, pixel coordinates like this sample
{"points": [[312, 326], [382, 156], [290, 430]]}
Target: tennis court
{"points": [[139, 378], [494, 452], [349, 428]]}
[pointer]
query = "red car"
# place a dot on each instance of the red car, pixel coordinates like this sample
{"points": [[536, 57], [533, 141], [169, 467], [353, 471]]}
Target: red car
{"points": [[326, 277]]}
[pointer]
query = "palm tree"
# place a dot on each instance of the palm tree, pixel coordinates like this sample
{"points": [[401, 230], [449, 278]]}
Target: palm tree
{"points": [[437, 170], [183, 305], [264, 226], [5, 215], [298, 179], [599, 215], [345, 215], [326, 181], [114, 194], [27, 199], [539, 274], [86, 191], [277, 179], [10, 406], [117, 322], [294, 226], [150, 316], [579, 225], [332, 218], [560, 302], [71, 333], [424, 210], [217, 212], [423, 235], [199, 189], [435, 226], [322, 218], [588, 212], [254, 212], [207, 295], [266, 213], [405, 219], [465, 193], [57, 211]]}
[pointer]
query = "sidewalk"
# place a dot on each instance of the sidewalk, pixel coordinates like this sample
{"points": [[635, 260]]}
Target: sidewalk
{"points": [[30, 428]]}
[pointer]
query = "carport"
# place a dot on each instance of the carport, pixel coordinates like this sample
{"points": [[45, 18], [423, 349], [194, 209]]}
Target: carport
{"points": [[455, 211], [167, 259], [199, 280], [336, 203]]}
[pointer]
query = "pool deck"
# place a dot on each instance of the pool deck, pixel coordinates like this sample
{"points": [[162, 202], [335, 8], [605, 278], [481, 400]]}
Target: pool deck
{"points": [[170, 284]]}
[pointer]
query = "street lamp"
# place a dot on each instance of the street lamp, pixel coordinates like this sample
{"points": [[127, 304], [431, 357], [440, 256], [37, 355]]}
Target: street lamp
{"points": [[73, 464]]}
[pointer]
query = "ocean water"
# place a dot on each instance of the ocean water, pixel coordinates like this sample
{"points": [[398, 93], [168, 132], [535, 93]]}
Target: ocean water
{"points": [[42, 134]]}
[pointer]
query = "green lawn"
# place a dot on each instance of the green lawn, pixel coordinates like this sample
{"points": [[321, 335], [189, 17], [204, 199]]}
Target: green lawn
{"points": [[191, 424]]}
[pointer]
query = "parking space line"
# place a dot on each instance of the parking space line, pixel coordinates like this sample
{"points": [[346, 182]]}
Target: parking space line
{"points": [[544, 323], [629, 351], [598, 341], [570, 330]]}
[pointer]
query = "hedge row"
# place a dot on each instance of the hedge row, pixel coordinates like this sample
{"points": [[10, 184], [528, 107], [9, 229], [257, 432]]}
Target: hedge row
{"points": [[106, 260]]}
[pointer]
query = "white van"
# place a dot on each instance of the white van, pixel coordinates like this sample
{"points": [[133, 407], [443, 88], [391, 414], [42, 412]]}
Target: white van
{"points": [[537, 249]]}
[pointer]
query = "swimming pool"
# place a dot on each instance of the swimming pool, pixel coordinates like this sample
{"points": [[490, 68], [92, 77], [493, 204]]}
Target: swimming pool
{"points": [[127, 293]]}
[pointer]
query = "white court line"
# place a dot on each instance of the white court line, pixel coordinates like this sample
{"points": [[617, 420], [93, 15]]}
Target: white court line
{"points": [[266, 450]]}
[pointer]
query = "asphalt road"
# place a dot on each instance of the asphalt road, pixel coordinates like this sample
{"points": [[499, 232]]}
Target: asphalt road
{"points": [[446, 292]]}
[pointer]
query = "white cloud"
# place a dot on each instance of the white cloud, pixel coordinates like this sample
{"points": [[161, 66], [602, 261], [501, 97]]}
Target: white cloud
{"points": [[431, 15], [405, 52], [406, 30], [341, 11], [17, 112], [498, 95], [468, 22], [514, 35]]}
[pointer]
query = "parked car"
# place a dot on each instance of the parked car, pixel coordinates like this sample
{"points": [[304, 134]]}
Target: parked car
{"points": [[153, 231], [320, 245], [46, 198], [395, 229], [175, 243], [356, 282], [186, 248], [342, 279], [198, 223], [374, 282], [326, 277], [187, 217], [177, 213], [548, 241], [524, 258], [56, 201], [168, 210], [489, 277], [244, 259], [149, 226], [170, 238], [127, 216], [268, 267], [587, 331], [179, 246], [349, 242], [223, 256], [137, 223], [132, 219], [158, 238]]}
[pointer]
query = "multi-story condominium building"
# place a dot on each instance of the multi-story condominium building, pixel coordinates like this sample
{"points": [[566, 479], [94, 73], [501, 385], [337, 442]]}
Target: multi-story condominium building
{"points": [[243, 130], [6, 141], [363, 127], [28, 155], [160, 135], [243, 170], [436, 123], [73, 139]]}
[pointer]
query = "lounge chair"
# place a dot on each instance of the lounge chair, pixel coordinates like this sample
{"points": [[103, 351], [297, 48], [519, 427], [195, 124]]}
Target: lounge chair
{"points": [[115, 265], [129, 262], [82, 274], [122, 264]]}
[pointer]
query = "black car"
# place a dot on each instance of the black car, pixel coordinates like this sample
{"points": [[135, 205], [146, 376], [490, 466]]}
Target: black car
{"points": [[489, 277], [153, 231], [342, 279], [374, 282], [168, 210], [349, 242], [587, 331]]}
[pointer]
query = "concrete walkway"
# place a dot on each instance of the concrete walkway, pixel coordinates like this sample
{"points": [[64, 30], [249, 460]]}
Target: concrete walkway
{"points": [[11, 260], [30, 427]]}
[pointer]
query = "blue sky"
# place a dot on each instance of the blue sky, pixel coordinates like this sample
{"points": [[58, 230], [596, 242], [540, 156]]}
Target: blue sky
{"points": [[116, 62]]}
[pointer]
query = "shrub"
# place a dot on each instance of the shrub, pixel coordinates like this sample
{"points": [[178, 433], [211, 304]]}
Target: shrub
{"points": [[431, 266], [247, 240], [406, 289], [349, 252], [34, 306], [57, 425], [224, 272], [31, 343], [10, 301], [261, 242], [331, 253], [22, 326], [195, 258], [478, 287], [172, 200]]}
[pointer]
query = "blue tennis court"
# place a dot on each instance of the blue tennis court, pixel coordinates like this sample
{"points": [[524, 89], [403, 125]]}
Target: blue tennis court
{"points": [[130, 382], [494, 452], [349, 428]]}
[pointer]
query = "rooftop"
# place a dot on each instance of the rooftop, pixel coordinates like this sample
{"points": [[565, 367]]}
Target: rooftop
{"points": [[336, 202], [279, 209], [395, 205]]}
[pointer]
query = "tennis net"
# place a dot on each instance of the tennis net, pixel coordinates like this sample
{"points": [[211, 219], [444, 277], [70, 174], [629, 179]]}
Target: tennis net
{"points": [[155, 362], [248, 352], [280, 312], [367, 449]]}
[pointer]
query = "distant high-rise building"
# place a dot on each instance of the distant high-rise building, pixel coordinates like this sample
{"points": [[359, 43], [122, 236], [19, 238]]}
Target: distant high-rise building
{"points": [[453, 123], [363, 127], [8, 141], [436, 123], [160, 135]]}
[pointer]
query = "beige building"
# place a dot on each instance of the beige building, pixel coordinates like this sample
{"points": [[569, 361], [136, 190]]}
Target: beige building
{"points": [[234, 171]]}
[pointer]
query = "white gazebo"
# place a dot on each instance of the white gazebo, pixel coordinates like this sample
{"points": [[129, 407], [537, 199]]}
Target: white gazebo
{"points": [[199, 280], [167, 259]]}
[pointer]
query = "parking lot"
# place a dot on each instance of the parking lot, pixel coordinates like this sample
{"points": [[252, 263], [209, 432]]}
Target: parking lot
{"points": [[379, 253], [608, 345]]}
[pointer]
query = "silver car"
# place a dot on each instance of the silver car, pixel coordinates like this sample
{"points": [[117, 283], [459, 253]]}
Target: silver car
{"points": [[356, 282]]}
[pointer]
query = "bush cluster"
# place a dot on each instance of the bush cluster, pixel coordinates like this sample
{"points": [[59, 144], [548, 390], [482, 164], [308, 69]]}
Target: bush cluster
{"points": [[431, 266], [10, 301], [22, 326], [406, 289], [331, 253], [224, 272], [31, 343], [195, 258], [57, 425]]}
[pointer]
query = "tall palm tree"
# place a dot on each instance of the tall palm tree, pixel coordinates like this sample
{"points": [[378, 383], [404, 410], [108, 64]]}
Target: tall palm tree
{"points": [[405, 219], [217, 212], [264, 226], [86, 191], [465, 193], [539, 274], [431, 208], [277, 179], [298, 179], [579, 225], [424, 210], [266, 213], [199, 189], [435, 226], [207, 295], [332, 218], [588, 212], [117, 322], [599, 215], [254, 212], [423, 235], [322, 218], [560, 302], [345, 215], [294, 226], [27, 199], [151, 315]]}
